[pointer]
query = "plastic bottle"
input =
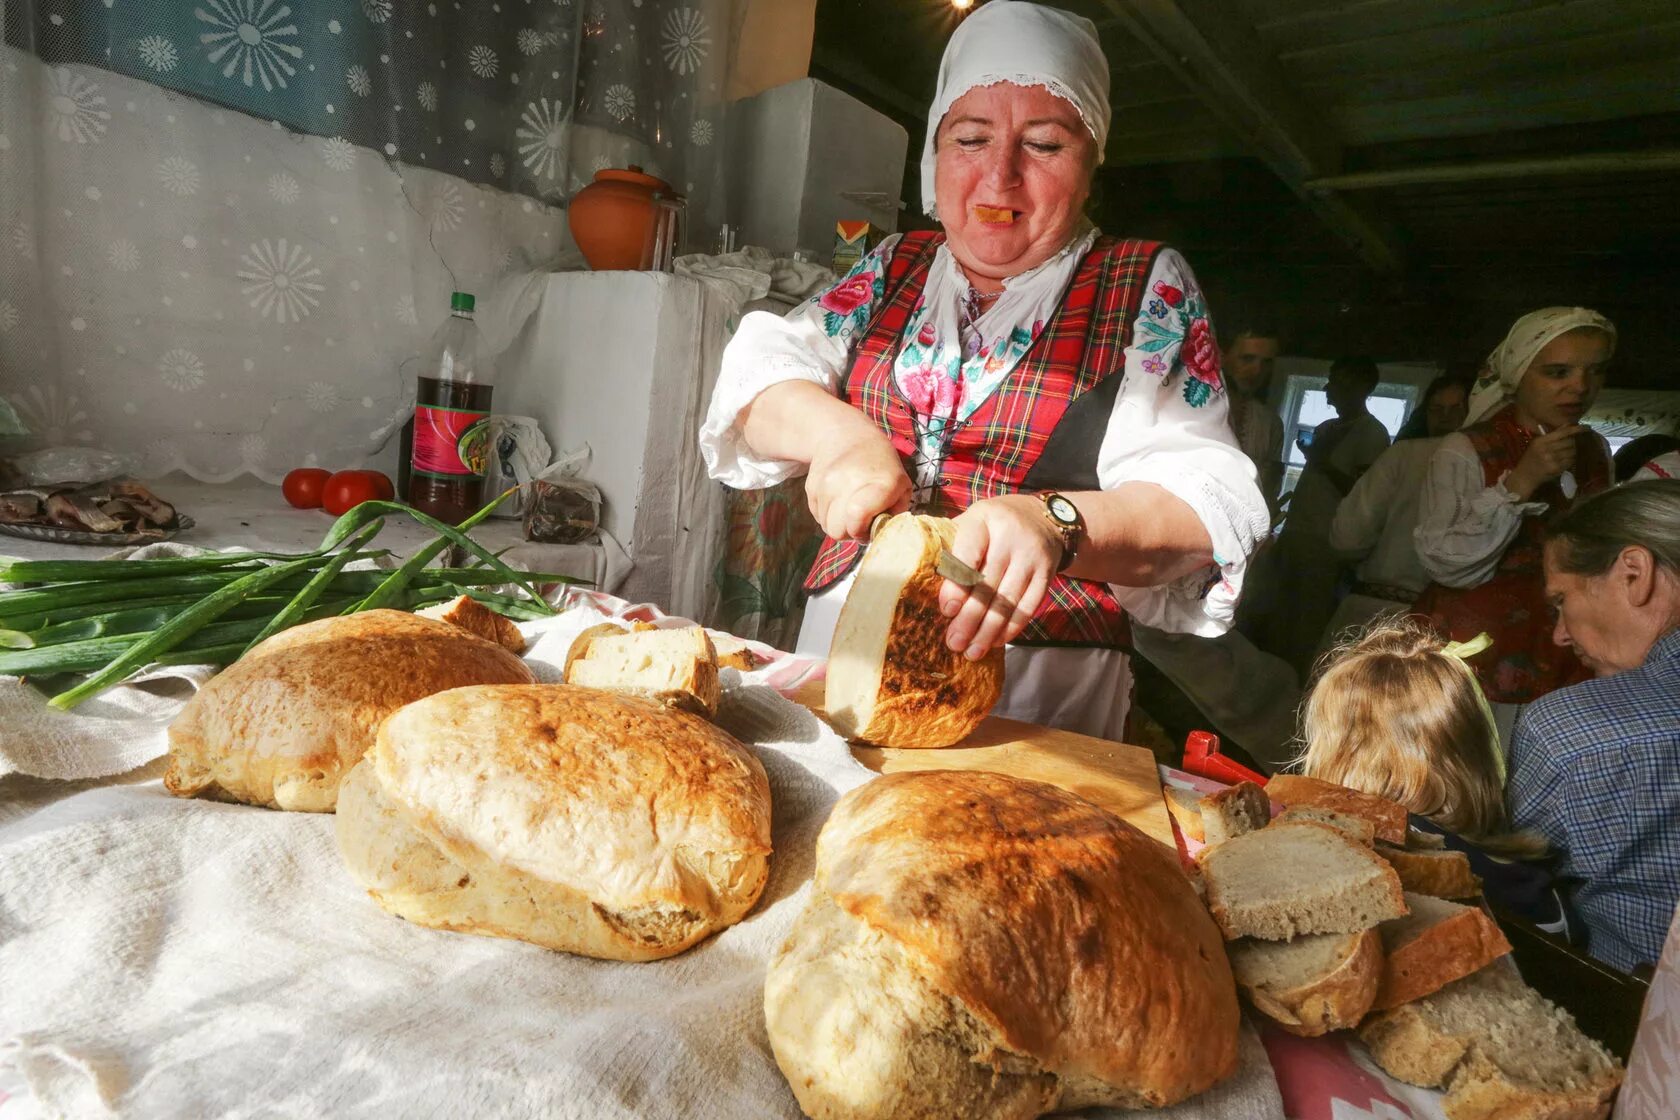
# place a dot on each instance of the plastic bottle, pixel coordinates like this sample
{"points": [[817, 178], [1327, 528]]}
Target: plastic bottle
{"points": [[451, 420]]}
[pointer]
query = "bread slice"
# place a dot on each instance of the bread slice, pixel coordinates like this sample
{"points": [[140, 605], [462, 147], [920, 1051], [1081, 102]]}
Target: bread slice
{"points": [[732, 652], [1291, 879], [1356, 828], [1435, 944], [1444, 874], [891, 679], [1388, 818], [1313, 984], [1417, 840], [1185, 805], [476, 618], [675, 667], [1234, 811], [1500, 1049]]}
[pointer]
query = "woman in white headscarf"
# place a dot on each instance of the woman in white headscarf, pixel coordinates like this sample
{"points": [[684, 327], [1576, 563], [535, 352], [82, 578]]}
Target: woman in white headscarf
{"points": [[1056, 391], [1524, 454]]}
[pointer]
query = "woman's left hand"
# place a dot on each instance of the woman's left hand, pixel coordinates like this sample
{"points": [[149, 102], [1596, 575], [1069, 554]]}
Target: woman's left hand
{"points": [[1011, 543]]}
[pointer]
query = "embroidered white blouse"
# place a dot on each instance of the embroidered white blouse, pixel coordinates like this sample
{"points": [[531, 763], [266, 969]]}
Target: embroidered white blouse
{"points": [[1169, 426]]}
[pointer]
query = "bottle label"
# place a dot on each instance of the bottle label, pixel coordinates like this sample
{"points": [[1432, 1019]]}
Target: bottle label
{"points": [[451, 442]]}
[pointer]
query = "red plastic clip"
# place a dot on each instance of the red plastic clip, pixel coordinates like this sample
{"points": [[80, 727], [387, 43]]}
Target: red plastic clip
{"points": [[1202, 757]]}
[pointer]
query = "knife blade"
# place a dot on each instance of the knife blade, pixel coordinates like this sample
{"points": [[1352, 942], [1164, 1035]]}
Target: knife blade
{"points": [[946, 564]]}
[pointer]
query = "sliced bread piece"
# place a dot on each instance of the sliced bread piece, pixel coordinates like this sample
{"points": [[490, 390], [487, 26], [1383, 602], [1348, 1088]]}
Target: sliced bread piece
{"points": [[732, 652], [1313, 984], [1500, 1049], [1356, 828], [1435, 944], [1388, 818], [1417, 840], [1185, 805], [1233, 811], [1291, 879], [675, 667], [476, 618], [1444, 874]]}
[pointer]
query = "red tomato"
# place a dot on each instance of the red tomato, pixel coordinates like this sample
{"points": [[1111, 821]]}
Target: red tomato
{"points": [[303, 486], [346, 490], [387, 492]]}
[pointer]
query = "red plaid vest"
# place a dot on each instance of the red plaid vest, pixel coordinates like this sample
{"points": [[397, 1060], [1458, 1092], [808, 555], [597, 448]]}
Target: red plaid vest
{"points": [[1040, 430], [1524, 663]]}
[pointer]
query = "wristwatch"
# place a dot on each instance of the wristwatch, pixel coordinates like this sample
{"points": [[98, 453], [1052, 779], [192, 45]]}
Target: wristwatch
{"points": [[1069, 525]]}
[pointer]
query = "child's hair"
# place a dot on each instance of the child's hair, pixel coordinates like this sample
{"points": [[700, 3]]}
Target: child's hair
{"points": [[1393, 715]]}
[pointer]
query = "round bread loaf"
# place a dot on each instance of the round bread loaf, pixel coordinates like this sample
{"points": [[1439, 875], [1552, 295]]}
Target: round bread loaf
{"points": [[573, 818], [282, 725], [981, 945]]}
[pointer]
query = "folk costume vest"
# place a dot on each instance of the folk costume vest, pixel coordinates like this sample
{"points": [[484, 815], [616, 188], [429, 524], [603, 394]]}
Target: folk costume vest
{"points": [[1039, 430], [1524, 664]]}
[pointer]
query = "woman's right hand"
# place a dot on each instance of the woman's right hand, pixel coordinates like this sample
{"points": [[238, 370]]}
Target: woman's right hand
{"points": [[855, 475], [1546, 458]]}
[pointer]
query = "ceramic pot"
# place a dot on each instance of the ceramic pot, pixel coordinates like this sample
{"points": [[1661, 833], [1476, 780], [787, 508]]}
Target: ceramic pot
{"points": [[612, 219]]}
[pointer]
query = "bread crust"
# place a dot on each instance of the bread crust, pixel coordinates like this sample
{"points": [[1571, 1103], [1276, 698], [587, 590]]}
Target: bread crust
{"points": [[928, 695], [573, 818], [1069, 936], [1282, 926], [1387, 817], [1335, 1001], [476, 618], [1448, 950], [1185, 805], [1441, 873], [699, 691], [281, 726]]}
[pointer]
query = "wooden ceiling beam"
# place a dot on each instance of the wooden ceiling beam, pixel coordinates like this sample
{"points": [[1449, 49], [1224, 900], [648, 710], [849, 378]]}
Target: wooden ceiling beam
{"points": [[1597, 163], [1218, 59]]}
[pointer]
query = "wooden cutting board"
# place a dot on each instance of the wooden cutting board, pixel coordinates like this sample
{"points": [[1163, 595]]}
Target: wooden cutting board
{"points": [[1118, 776]]}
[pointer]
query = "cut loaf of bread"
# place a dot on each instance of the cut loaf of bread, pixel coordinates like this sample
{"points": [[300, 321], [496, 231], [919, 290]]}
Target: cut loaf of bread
{"points": [[732, 652], [1292, 879], [1356, 828], [1313, 984], [1233, 812], [1501, 1051], [891, 679], [1442, 873], [476, 618], [677, 667], [1388, 818], [1436, 943]]}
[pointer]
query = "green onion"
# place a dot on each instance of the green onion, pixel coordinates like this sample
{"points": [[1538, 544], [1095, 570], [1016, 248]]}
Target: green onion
{"points": [[293, 611], [447, 535], [66, 571]]}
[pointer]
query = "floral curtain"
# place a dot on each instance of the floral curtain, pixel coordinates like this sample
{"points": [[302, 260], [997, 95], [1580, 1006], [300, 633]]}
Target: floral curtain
{"points": [[227, 227]]}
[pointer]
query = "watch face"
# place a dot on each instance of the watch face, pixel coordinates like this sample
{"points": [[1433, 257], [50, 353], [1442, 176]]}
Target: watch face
{"points": [[1062, 510]]}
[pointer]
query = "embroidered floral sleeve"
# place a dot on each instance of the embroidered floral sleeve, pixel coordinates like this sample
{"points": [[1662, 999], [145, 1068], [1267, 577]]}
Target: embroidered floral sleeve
{"points": [[1171, 428], [813, 342]]}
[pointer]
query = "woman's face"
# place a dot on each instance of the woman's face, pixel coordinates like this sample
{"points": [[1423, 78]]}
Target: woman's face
{"points": [[1447, 410], [1012, 173], [1563, 380]]}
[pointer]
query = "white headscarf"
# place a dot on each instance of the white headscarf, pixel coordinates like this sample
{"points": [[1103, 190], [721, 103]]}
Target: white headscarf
{"points": [[1497, 386], [1029, 45]]}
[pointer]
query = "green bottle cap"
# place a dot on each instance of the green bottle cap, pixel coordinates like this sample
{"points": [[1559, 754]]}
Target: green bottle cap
{"points": [[461, 301]]}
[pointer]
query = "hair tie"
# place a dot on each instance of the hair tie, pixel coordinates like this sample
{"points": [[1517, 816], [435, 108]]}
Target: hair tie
{"points": [[1461, 652]]}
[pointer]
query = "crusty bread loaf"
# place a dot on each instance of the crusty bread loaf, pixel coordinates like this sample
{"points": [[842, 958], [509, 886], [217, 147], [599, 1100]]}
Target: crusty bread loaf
{"points": [[1500, 1050], [1388, 818], [1233, 811], [576, 819], [1313, 984], [1356, 828], [1442, 873], [476, 618], [677, 667], [1291, 879], [1436, 943], [979, 945], [891, 679], [282, 725]]}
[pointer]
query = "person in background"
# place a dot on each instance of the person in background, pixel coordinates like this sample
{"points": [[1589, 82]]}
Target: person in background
{"points": [[1397, 712], [1376, 519], [1338, 452], [1653, 455], [1595, 767], [1249, 360], [1525, 455]]}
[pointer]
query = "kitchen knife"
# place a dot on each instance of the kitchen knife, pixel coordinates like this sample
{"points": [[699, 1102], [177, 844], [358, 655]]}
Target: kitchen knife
{"points": [[947, 565]]}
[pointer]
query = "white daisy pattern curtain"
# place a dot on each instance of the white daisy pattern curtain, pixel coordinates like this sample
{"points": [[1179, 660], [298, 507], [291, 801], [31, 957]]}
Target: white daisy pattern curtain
{"points": [[227, 227]]}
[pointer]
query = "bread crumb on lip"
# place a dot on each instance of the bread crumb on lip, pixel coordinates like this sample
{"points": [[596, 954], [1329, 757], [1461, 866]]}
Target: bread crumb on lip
{"points": [[994, 216]]}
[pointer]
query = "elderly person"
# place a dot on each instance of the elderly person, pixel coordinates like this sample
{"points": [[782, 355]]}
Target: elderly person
{"points": [[1524, 456], [1056, 391], [1595, 767]]}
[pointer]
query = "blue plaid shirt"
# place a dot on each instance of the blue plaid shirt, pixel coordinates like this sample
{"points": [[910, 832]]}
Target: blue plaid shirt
{"points": [[1595, 768]]}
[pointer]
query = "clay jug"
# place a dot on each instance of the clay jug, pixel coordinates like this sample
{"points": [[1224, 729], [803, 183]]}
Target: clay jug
{"points": [[612, 218]]}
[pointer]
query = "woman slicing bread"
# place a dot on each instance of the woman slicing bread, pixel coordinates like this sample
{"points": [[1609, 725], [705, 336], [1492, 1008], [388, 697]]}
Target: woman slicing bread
{"points": [[1056, 391], [1523, 456]]}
